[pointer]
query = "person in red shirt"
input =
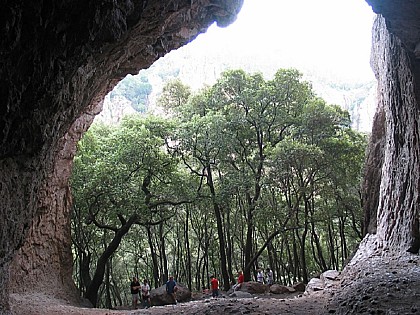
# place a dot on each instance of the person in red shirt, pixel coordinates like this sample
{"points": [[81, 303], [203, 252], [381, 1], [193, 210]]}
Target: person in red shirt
{"points": [[238, 285], [214, 283]]}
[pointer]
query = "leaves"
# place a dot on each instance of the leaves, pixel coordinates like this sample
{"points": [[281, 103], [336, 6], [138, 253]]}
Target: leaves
{"points": [[245, 172]]}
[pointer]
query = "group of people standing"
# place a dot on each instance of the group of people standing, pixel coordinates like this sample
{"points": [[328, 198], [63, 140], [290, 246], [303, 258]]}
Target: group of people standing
{"points": [[171, 287], [143, 289], [268, 278], [214, 284]]}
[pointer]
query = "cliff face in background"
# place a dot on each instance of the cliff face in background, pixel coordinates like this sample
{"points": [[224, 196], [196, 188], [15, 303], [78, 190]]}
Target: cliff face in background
{"points": [[58, 61], [196, 69]]}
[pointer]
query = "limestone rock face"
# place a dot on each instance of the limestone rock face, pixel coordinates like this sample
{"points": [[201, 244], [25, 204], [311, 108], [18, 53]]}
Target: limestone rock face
{"points": [[398, 155], [58, 61], [402, 20]]}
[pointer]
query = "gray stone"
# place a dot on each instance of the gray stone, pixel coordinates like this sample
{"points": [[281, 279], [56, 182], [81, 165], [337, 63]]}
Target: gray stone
{"points": [[160, 297], [281, 289], [254, 287], [241, 294]]}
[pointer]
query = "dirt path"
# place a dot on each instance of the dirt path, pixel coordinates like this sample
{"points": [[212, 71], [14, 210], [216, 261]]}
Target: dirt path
{"points": [[374, 282], [313, 304]]}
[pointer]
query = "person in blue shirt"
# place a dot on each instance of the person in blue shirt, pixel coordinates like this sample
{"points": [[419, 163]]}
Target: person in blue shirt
{"points": [[171, 288]]}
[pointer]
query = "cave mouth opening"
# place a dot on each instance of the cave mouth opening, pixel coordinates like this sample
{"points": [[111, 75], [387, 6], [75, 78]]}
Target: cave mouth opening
{"points": [[42, 97], [54, 95], [206, 47]]}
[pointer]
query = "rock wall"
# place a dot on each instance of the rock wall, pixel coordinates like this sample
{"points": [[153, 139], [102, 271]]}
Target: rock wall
{"points": [[402, 20], [398, 209], [58, 60], [372, 174], [44, 262], [396, 130]]}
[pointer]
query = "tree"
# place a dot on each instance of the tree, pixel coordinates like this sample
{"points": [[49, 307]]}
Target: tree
{"points": [[131, 180], [251, 173], [320, 170], [136, 89], [200, 145], [260, 115], [174, 95]]}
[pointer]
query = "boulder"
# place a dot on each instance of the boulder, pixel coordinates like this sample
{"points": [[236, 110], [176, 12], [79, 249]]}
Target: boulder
{"points": [[327, 279], [299, 286], [330, 275], [254, 287], [315, 284], [330, 278], [240, 294], [159, 296], [281, 289]]}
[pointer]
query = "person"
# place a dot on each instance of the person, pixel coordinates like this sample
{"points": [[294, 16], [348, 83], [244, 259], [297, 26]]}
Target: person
{"points": [[145, 293], [238, 284], [171, 288], [270, 276], [214, 283], [135, 287], [205, 290], [260, 276]]}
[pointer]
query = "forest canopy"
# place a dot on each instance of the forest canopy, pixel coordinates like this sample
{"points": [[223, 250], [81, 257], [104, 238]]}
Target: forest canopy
{"points": [[247, 173]]}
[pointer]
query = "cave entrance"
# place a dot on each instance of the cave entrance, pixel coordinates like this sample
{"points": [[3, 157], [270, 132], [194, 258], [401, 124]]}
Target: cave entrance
{"points": [[49, 107], [338, 63]]}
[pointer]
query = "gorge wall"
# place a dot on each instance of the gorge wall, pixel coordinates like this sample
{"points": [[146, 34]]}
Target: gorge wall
{"points": [[59, 59], [391, 187]]}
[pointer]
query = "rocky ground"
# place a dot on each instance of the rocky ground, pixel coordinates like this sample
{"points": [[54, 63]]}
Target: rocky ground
{"points": [[371, 283], [261, 304]]}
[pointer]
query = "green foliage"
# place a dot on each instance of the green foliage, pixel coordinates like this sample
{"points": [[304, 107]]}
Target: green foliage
{"points": [[174, 95], [136, 89], [266, 166]]}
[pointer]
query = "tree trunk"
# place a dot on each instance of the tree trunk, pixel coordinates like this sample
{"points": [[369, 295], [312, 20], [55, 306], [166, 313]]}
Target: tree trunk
{"points": [[108, 303], [331, 246], [302, 241], [163, 257], [187, 246], [155, 263], [229, 248], [248, 245], [98, 277], [317, 248], [220, 233]]}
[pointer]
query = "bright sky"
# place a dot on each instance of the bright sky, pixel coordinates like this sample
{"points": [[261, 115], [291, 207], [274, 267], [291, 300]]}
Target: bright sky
{"points": [[333, 35]]}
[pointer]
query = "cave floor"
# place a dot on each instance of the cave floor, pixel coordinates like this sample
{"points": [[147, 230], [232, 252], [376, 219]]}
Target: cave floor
{"points": [[382, 284]]}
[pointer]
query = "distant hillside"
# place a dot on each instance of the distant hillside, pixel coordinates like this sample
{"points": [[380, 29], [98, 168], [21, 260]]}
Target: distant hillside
{"points": [[197, 69]]}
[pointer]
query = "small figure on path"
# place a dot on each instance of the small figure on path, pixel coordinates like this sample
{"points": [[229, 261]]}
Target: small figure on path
{"points": [[171, 288], [214, 287], [205, 290], [238, 284], [145, 293], [270, 276], [260, 276], [135, 287]]}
